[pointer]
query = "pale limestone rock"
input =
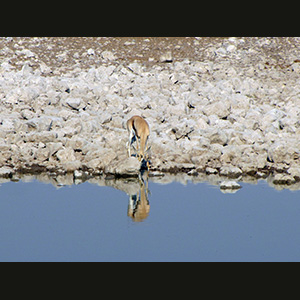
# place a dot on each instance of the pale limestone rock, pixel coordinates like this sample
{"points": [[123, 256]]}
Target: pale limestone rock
{"points": [[230, 171], [128, 167], [6, 171], [66, 155], [229, 185]]}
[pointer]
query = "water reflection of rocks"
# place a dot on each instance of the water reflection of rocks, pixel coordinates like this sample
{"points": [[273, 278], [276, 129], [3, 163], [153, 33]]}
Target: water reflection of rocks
{"points": [[137, 188]]}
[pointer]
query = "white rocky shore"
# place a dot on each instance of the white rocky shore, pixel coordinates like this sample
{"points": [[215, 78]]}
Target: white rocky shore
{"points": [[232, 114]]}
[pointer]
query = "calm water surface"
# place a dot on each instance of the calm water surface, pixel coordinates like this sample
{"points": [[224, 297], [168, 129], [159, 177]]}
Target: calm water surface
{"points": [[161, 222]]}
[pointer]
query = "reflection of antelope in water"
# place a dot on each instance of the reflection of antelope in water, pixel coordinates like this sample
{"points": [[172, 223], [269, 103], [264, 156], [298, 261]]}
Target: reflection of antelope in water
{"points": [[139, 207], [139, 131]]}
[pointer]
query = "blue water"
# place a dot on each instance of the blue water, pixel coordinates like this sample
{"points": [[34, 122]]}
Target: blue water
{"points": [[193, 222]]}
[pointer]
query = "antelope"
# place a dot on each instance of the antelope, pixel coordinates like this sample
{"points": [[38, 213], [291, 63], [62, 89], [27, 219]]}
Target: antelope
{"points": [[139, 131]]}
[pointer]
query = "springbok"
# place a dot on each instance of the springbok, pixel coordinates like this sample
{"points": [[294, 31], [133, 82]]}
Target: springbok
{"points": [[139, 131]]}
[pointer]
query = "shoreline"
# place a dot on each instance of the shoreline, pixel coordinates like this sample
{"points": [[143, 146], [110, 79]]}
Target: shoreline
{"points": [[226, 184]]}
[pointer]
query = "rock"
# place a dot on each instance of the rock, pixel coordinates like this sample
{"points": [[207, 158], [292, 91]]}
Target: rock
{"points": [[229, 185], [221, 51], [127, 43], [26, 70], [101, 158], [166, 57], [202, 124], [105, 117], [192, 173], [71, 166], [74, 102], [128, 167], [42, 154], [217, 136], [219, 108], [77, 143], [295, 172], [182, 131], [91, 51], [230, 171], [27, 114], [78, 174], [230, 153], [231, 48], [283, 152], [44, 137], [66, 155], [209, 170], [39, 124], [6, 171], [65, 114], [281, 178], [108, 55], [45, 69], [53, 147], [94, 164], [26, 52]]}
